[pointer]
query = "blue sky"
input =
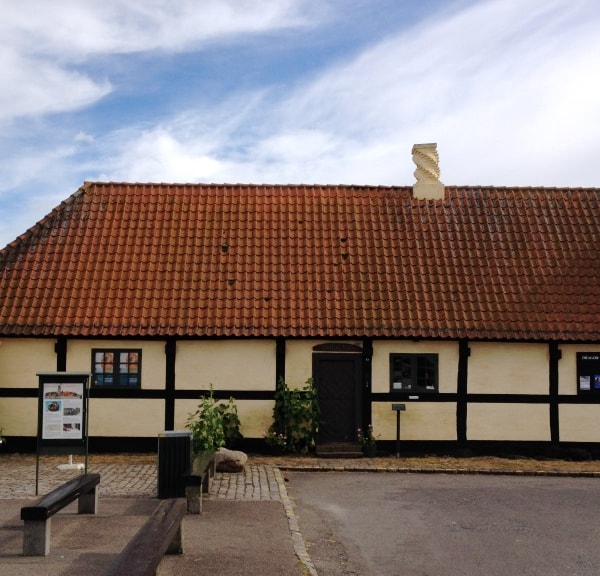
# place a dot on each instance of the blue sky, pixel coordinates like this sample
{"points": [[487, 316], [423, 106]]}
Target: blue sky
{"points": [[293, 91]]}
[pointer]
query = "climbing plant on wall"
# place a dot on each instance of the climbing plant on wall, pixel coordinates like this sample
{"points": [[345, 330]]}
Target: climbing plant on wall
{"points": [[295, 418]]}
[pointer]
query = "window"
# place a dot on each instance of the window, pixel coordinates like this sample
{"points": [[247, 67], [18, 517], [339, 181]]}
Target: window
{"points": [[116, 368], [413, 372]]}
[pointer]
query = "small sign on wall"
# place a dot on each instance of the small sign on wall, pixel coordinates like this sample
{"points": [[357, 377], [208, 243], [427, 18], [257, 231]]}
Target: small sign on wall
{"points": [[588, 372]]}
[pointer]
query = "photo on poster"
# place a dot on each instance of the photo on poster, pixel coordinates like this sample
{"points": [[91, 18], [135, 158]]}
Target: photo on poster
{"points": [[584, 383], [597, 381], [53, 406]]}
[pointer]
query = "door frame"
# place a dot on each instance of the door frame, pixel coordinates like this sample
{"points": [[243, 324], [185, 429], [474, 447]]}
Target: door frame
{"points": [[337, 352]]}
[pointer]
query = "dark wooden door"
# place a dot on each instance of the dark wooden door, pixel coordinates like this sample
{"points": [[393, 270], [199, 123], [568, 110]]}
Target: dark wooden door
{"points": [[337, 378]]}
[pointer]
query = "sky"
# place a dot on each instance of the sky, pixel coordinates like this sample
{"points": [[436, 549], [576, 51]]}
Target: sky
{"points": [[293, 91]]}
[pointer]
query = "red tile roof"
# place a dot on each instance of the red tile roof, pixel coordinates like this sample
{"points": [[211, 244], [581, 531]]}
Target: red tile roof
{"points": [[320, 261]]}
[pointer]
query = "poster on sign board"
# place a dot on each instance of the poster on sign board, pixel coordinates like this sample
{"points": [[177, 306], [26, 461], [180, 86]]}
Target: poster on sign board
{"points": [[62, 410]]}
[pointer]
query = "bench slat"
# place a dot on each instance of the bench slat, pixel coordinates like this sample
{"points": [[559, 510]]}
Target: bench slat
{"points": [[198, 479], [60, 497], [202, 462], [143, 553]]}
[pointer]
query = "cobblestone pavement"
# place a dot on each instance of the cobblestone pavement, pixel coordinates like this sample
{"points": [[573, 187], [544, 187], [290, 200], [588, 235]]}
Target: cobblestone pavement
{"points": [[135, 476], [256, 483], [127, 475]]}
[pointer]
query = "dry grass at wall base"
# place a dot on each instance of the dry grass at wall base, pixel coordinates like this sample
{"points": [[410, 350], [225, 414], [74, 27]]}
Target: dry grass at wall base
{"points": [[576, 464]]}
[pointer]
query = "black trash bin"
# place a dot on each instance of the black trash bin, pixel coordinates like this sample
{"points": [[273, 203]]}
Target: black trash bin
{"points": [[174, 460]]}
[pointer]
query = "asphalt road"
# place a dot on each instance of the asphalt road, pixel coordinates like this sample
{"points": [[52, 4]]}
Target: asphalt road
{"points": [[372, 524]]}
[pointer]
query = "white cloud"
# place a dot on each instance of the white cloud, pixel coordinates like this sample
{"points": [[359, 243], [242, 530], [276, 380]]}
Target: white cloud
{"points": [[82, 136], [71, 29], [46, 43], [508, 89], [475, 83], [32, 86], [157, 156]]}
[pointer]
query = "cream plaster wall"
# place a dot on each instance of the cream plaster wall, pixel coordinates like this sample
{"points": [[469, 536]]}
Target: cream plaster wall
{"points": [[19, 416], [579, 422], [226, 364], [508, 368], [420, 421], [298, 361], [79, 358], [255, 415], [447, 362], [508, 422], [22, 358], [125, 417], [567, 367]]}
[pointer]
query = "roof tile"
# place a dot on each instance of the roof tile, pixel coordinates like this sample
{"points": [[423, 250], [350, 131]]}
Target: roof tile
{"points": [[241, 260]]}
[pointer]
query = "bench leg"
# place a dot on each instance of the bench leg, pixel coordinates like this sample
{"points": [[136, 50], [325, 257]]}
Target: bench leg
{"points": [[36, 537], [193, 495], [206, 482], [88, 502], [176, 545]]}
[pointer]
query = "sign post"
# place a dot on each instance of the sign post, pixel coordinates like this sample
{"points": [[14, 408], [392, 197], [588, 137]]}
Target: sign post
{"points": [[62, 417], [398, 408]]}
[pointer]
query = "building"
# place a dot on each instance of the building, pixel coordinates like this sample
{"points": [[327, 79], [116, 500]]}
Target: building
{"points": [[476, 307]]}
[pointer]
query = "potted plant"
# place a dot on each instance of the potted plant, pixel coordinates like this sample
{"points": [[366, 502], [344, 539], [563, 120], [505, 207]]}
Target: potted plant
{"points": [[368, 441], [277, 442], [214, 425]]}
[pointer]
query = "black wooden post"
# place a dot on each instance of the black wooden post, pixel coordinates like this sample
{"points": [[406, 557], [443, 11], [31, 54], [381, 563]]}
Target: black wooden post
{"points": [[398, 408]]}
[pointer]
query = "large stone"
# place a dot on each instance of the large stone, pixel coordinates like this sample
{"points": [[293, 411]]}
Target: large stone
{"points": [[230, 460]]}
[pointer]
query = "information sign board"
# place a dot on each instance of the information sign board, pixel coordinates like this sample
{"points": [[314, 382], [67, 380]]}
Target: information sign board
{"points": [[588, 372], [62, 412]]}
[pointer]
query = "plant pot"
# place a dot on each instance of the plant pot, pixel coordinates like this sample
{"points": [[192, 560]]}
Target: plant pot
{"points": [[370, 451]]}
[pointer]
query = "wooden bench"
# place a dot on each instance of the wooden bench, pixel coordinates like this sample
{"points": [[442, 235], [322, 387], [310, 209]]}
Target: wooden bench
{"points": [[197, 480], [36, 533], [161, 534]]}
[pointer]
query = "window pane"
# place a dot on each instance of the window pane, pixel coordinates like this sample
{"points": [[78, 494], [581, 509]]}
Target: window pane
{"points": [[426, 372], [116, 367], [413, 372]]}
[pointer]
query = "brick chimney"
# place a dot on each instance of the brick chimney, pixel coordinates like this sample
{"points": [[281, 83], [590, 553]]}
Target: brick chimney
{"points": [[428, 185]]}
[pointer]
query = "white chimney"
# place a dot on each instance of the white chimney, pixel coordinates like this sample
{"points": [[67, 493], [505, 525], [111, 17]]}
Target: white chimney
{"points": [[428, 185]]}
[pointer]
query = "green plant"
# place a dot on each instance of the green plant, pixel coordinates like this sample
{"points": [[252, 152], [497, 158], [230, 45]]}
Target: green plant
{"points": [[295, 418], [366, 436], [231, 423], [214, 424], [206, 425]]}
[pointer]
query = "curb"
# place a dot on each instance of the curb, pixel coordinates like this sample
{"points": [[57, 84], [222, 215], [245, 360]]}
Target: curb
{"points": [[297, 538], [404, 470]]}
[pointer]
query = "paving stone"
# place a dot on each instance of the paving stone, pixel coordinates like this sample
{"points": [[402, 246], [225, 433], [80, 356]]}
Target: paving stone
{"points": [[126, 476]]}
